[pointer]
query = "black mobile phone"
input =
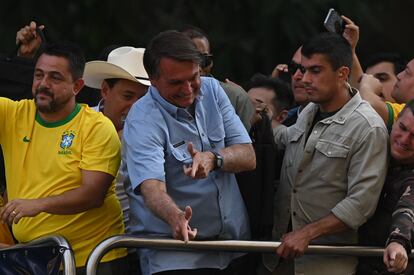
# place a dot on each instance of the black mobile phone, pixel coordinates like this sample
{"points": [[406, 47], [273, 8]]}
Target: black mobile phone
{"points": [[333, 22]]}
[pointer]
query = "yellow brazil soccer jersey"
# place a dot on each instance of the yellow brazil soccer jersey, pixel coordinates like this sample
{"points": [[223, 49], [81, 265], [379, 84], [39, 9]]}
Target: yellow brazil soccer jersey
{"points": [[393, 111], [45, 159]]}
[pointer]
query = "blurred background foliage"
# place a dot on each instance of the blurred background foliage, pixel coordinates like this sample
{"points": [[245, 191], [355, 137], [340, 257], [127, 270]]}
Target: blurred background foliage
{"points": [[247, 36]]}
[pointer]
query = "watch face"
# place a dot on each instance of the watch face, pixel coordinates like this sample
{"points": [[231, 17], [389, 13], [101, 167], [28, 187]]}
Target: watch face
{"points": [[219, 161]]}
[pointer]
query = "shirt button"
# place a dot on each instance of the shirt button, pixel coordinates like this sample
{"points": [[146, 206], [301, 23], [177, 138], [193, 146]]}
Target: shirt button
{"points": [[190, 118], [294, 191], [300, 171], [202, 134], [315, 132], [294, 213], [329, 152], [184, 155]]}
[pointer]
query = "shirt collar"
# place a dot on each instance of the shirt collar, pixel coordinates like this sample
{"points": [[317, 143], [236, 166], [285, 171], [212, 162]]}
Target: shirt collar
{"points": [[342, 115]]}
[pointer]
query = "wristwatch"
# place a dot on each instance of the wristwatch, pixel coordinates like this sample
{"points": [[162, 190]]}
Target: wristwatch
{"points": [[218, 160]]}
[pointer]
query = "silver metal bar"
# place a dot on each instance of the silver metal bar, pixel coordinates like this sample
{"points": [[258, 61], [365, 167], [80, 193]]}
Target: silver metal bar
{"points": [[69, 266], [230, 246]]}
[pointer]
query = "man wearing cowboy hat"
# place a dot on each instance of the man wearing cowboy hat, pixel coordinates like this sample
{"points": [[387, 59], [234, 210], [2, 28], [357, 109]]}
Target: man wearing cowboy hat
{"points": [[122, 81]]}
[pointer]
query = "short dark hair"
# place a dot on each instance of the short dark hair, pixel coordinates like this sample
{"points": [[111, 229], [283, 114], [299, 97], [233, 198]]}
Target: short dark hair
{"points": [[112, 81], [334, 46], [283, 96], [394, 58], [408, 106], [169, 44], [68, 50]]}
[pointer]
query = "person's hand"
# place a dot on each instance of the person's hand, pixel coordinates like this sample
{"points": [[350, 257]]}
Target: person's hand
{"points": [[293, 244], [203, 163], [370, 84], [29, 40], [261, 109], [181, 229], [395, 257], [351, 32], [280, 68], [14, 210]]}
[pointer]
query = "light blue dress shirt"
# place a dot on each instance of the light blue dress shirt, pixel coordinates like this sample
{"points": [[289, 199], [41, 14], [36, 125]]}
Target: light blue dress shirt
{"points": [[156, 135]]}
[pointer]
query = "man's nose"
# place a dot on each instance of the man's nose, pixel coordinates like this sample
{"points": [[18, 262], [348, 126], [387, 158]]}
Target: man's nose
{"points": [[187, 88], [405, 138]]}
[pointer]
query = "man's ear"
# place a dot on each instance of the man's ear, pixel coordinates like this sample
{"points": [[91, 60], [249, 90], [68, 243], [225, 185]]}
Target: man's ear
{"points": [[281, 116], [78, 85], [343, 73]]}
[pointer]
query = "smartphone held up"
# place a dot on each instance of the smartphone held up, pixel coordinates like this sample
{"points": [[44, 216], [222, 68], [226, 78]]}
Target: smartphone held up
{"points": [[333, 22]]}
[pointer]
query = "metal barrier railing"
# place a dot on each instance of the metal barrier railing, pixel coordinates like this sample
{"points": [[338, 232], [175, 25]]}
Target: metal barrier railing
{"points": [[69, 267], [229, 246]]}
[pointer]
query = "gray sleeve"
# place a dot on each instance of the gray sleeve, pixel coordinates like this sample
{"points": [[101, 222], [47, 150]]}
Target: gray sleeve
{"points": [[366, 175], [280, 136]]}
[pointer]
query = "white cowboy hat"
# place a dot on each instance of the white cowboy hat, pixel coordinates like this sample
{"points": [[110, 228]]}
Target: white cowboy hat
{"points": [[123, 62]]}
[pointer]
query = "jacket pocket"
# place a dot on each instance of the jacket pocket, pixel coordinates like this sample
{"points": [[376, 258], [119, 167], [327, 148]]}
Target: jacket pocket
{"points": [[331, 149]]}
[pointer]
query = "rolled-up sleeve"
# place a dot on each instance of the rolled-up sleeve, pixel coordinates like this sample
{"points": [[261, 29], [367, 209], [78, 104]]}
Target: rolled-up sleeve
{"points": [[366, 176], [144, 149]]}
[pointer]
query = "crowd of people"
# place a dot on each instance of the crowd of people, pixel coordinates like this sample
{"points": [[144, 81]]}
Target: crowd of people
{"points": [[320, 151]]}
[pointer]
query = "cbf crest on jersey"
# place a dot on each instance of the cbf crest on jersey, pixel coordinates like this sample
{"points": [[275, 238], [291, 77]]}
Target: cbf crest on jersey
{"points": [[66, 142]]}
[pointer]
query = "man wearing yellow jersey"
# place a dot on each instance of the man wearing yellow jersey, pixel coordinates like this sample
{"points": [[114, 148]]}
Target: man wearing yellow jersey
{"points": [[403, 92], [61, 159]]}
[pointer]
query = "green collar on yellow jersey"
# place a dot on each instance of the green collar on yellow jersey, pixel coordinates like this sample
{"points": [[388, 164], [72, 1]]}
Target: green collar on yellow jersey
{"points": [[61, 122]]}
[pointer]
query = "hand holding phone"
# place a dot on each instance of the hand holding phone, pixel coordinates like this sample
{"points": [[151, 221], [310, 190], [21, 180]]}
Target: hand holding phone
{"points": [[334, 23]]}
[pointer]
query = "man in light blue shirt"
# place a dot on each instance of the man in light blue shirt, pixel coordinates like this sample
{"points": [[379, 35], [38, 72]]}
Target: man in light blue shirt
{"points": [[183, 142]]}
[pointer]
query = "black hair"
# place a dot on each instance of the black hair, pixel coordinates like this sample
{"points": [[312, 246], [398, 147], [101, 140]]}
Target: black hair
{"points": [[394, 58], [334, 46], [68, 50], [283, 96], [169, 44], [408, 106]]}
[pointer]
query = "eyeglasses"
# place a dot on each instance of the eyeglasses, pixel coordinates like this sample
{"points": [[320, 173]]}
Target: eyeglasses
{"points": [[206, 60], [293, 67]]}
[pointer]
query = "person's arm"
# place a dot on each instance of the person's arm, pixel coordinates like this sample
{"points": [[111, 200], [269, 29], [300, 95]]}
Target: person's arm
{"points": [[295, 243], [351, 34], [370, 88], [236, 158], [398, 245], [29, 40], [160, 203], [90, 194]]}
